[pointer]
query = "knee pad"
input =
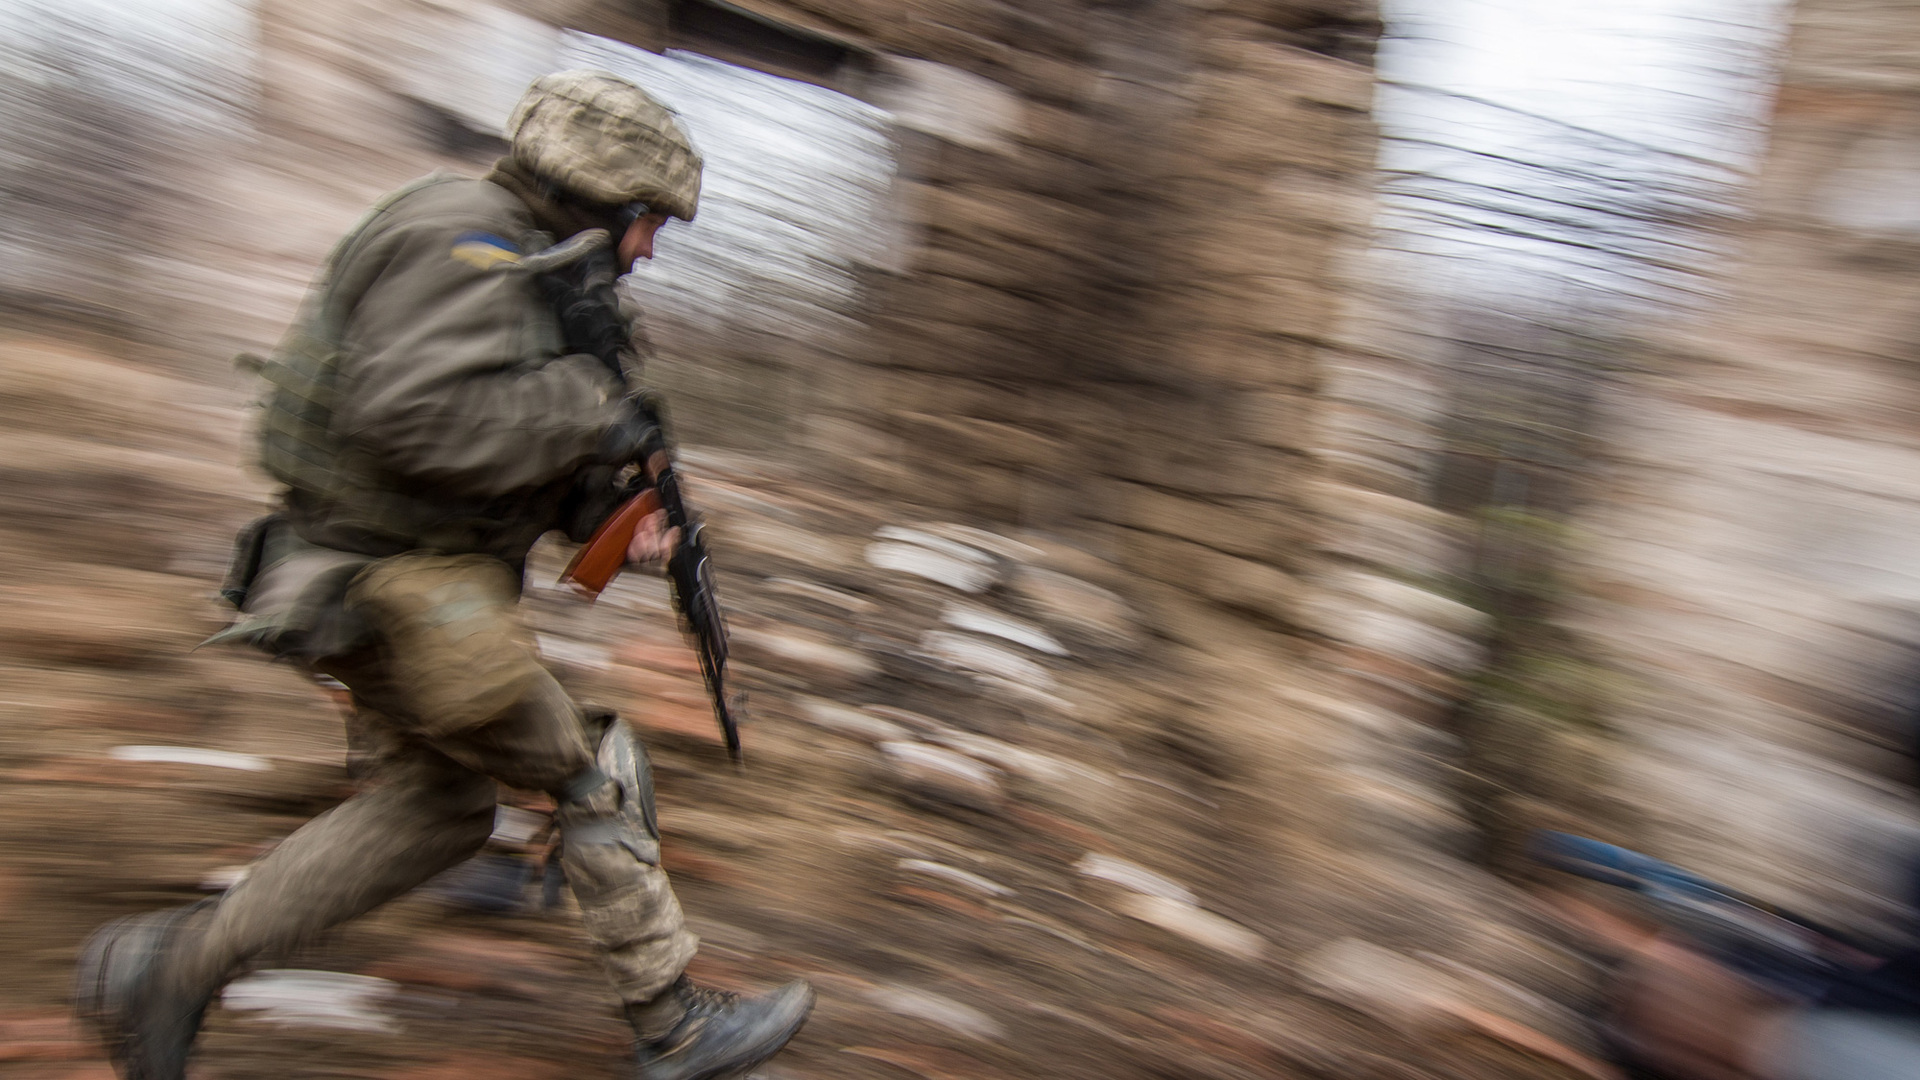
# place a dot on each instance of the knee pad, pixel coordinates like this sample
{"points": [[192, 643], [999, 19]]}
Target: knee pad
{"points": [[613, 803]]}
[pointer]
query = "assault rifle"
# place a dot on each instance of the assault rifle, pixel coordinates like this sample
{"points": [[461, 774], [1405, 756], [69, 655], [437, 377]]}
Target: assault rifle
{"points": [[589, 312]]}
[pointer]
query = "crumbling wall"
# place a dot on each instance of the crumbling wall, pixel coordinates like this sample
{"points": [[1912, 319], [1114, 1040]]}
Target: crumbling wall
{"points": [[1119, 274], [1098, 300], [1751, 564]]}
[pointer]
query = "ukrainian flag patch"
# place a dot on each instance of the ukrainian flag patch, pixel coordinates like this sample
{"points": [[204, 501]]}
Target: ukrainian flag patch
{"points": [[485, 251]]}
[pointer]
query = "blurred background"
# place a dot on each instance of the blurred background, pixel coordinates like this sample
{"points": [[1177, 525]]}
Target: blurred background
{"points": [[1195, 484]]}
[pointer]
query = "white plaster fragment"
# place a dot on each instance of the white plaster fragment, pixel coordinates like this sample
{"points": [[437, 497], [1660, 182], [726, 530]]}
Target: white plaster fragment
{"points": [[1131, 875], [1015, 759], [1025, 694], [1003, 546], [934, 543], [982, 621], [974, 654], [984, 886], [322, 999], [941, 761], [1377, 980], [1196, 924], [922, 562], [192, 755]]}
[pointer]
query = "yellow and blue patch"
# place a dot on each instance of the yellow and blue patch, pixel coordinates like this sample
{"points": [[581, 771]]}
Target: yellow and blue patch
{"points": [[485, 251]]}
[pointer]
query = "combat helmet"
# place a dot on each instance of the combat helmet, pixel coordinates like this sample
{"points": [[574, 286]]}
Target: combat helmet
{"points": [[604, 140]]}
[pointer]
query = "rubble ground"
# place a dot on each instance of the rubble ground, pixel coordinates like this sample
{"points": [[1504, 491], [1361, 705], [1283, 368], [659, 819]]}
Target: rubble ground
{"points": [[985, 810]]}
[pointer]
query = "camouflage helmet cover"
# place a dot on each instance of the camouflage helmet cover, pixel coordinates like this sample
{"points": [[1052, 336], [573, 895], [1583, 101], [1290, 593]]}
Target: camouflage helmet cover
{"points": [[599, 137]]}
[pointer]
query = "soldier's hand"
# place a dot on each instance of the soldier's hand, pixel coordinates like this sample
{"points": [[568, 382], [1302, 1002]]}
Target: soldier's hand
{"points": [[653, 542]]}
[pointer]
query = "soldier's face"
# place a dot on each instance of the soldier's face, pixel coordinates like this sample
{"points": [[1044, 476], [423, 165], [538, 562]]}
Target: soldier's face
{"points": [[637, 243]]}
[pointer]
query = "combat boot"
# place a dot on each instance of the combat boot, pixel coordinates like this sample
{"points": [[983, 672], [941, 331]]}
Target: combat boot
{"points": [[123, 990], [711, 1034]]}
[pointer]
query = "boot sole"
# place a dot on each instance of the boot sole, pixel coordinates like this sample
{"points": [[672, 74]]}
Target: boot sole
{"points": [[773, 1046]]}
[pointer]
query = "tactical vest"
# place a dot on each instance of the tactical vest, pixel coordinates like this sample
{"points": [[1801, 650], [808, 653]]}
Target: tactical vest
{"points": [[300, 445]]}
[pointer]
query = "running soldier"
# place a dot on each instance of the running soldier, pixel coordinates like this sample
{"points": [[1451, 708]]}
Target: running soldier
{"points": [[432, 413]]}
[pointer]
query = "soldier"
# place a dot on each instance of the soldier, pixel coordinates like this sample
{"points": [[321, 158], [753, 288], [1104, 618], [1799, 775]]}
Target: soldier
{"points": [[430, 422]]}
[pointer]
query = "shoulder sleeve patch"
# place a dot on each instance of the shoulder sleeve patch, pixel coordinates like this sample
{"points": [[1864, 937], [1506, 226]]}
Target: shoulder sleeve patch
{"points": [[485, 251]]}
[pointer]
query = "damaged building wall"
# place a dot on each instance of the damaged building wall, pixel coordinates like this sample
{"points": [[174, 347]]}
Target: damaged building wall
{"points": [[1749, 564], [1108, 266], [1117, 262]]}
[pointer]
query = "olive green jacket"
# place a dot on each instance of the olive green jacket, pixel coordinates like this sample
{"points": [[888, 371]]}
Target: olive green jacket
{"points": [[436, 407]]}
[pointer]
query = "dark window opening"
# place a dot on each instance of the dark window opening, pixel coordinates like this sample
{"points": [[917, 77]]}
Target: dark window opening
{"points": [[738, 36], [450, 135]]}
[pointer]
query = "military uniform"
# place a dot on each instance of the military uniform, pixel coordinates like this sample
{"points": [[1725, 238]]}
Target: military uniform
{"points": [[430, 425]]}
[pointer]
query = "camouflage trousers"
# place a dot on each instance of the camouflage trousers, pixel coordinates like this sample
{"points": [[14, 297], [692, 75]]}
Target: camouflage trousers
{"points": [[451, 700]]}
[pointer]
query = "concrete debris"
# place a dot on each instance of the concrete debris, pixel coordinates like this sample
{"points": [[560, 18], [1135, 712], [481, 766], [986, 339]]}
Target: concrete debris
{"points": [[783, 541], [192, 755], [1005, 547], [972, 654], [1195, 924], [944, 760], [1174, 788], [863, 839], [944, 775], [1129, 875], [905, 717], [981, 885], [963, 574], [982, 621], [1019, 761], [1419, 997], [932, 847], [322, 999], [933, 543], [1024, 694]]}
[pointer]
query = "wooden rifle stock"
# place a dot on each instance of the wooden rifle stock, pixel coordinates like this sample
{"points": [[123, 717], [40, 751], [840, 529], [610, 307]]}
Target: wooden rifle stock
{"points": [[599, 560]]}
